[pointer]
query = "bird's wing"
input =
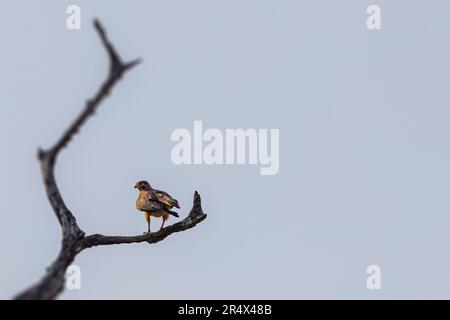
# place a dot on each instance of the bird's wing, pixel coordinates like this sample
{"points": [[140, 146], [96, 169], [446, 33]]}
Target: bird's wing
{"points": [[165, 198], [146, 203]]}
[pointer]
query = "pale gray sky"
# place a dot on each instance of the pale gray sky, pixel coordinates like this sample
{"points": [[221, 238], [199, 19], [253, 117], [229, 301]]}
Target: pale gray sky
{"points": [[364, 156]]}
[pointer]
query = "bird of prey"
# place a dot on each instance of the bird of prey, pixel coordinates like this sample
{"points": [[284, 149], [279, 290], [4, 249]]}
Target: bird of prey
{"points": [[154, 203]]}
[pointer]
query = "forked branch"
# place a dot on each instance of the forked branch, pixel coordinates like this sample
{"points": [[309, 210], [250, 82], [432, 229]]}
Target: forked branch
{"points": [[73, 238]]}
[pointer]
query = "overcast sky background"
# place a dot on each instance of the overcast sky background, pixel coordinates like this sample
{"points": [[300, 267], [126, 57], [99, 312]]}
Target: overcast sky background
{"points": [[364, 153]]}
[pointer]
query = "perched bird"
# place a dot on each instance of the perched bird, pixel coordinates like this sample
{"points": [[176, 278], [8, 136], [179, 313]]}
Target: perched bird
{"points": [[154, 203]]}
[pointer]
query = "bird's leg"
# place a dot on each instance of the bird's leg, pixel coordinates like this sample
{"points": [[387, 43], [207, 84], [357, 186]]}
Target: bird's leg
{"points": [[164, 217], [147, 217]]}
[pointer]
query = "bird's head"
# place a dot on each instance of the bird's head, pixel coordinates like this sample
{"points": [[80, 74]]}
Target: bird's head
{"points": [[143, 186]]}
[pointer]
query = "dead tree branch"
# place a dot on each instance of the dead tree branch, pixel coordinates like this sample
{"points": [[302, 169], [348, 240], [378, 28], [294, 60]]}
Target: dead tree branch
{"points": [[73, 238]]}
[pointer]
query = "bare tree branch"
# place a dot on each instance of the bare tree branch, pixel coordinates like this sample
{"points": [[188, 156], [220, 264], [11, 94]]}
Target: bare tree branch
{"points": [[73, 238], [195, 216]]}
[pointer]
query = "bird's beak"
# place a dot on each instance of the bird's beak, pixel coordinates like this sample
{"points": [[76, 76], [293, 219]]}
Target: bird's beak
{"points": [[136, 186]]}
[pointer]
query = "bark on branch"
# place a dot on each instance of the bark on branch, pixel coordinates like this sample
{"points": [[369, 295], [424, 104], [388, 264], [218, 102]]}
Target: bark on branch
{"points": [[73, 238]]}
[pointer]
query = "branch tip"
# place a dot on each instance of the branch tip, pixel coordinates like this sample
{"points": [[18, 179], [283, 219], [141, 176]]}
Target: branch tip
{"points": [[41, 154], [132, 63]]}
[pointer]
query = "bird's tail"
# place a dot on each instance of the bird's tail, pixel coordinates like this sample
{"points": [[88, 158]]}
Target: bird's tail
{"points": [[173, 213]]}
